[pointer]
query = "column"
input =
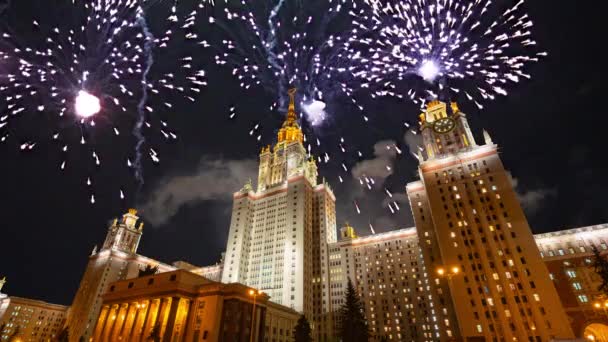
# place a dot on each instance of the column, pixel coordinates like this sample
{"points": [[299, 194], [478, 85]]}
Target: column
{"points": [[139, 321], [110, 323], [120, 321], [180, 321], [152, 318], [101, 321], [130, 319], [169, 329], [164, 314]]}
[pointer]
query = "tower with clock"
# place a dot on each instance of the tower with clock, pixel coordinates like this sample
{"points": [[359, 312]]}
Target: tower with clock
{"points": [[445, 132]]}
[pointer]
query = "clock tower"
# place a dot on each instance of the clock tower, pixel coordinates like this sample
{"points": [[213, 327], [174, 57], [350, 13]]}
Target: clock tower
{"points": [[445, 130]]}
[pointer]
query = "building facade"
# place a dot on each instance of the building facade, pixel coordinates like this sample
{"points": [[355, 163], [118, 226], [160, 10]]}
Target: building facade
{"points": [[30, 320], [279, 232], [491, 283], [390, 276], [117, 259], [569, 257], [183, 306], [213, 272]]}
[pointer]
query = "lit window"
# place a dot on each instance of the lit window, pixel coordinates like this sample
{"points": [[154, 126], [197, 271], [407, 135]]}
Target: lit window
{"points": [[551, 276], [479, 329], [583, 298], [571, 273], [560, 251], [577, 286], [536, 297]]}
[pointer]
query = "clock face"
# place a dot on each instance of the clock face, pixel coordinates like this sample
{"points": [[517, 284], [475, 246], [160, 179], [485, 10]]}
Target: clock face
{"points": [[444, 125]]}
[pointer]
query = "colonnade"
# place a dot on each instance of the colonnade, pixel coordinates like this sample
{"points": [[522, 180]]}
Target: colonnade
{"points": [[136, 321]]}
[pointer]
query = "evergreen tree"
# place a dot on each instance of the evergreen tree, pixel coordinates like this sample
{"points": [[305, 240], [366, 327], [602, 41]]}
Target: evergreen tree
{"points": [[64, 335], [154, 334], [302, 330], [601, 268], [353, 327], [147, 271]]}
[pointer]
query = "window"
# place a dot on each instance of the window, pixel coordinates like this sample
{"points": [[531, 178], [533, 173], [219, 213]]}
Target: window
{"points": [[571, 273], [583, 298], [577, 286], [479, 329]]}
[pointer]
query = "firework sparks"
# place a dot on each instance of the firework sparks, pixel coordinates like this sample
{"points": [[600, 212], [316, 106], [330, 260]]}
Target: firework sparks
{"points": [[416, 49], [277, 44], [94, 73]]}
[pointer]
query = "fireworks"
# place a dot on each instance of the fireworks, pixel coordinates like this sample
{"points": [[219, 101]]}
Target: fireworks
{"points": [[278, 44], [91, 70], [461, 49]]}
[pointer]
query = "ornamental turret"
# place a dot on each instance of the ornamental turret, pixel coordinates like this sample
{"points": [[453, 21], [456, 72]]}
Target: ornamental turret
{"points": [[445, 130], [124, 234]]}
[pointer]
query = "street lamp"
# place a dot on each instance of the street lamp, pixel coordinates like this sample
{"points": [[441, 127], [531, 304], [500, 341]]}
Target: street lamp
{"points": [[602, 304], [254, 294], [449, 272]]}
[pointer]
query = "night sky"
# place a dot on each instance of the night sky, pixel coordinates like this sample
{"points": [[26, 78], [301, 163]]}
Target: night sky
{"points": [[551, 131]]}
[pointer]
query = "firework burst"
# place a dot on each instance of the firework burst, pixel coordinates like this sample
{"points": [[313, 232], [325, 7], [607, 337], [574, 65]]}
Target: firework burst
{"points": [[278, 44], [73, 77], [464, 49]]}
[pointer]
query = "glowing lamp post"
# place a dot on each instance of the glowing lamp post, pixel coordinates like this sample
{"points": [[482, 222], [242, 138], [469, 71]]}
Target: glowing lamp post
{"points": [[601, 304], [449, 272], [254, 294]]}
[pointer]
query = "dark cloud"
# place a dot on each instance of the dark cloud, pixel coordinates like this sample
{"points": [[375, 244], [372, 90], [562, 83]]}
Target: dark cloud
{"points": [[213, 180], [532, 200]]}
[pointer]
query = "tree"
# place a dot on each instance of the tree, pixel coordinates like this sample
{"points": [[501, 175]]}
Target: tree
{"points": [[353, 327], [64, 335], [601, 268], [302, 330], [148, 270], [155, 334]]}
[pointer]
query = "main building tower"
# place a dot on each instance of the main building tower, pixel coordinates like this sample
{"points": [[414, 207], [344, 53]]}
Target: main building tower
{"points": [[279, 232], [489, 281]]}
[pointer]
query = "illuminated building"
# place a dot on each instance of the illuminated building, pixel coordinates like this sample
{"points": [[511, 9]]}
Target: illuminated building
{"points": [[279, 232], [116, 260], [390, 276], [182, 306], [213, 272], [32, 320], [569, 257], [488, 280]]}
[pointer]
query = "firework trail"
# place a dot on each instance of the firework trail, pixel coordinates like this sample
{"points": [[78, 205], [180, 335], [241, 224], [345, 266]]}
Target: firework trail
{"points": [[467, 49], [137, 130], [73, 81]]}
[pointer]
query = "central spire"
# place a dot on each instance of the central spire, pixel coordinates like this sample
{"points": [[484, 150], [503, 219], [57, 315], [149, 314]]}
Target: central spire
{"points": [[291, 112], [291, 131]]}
